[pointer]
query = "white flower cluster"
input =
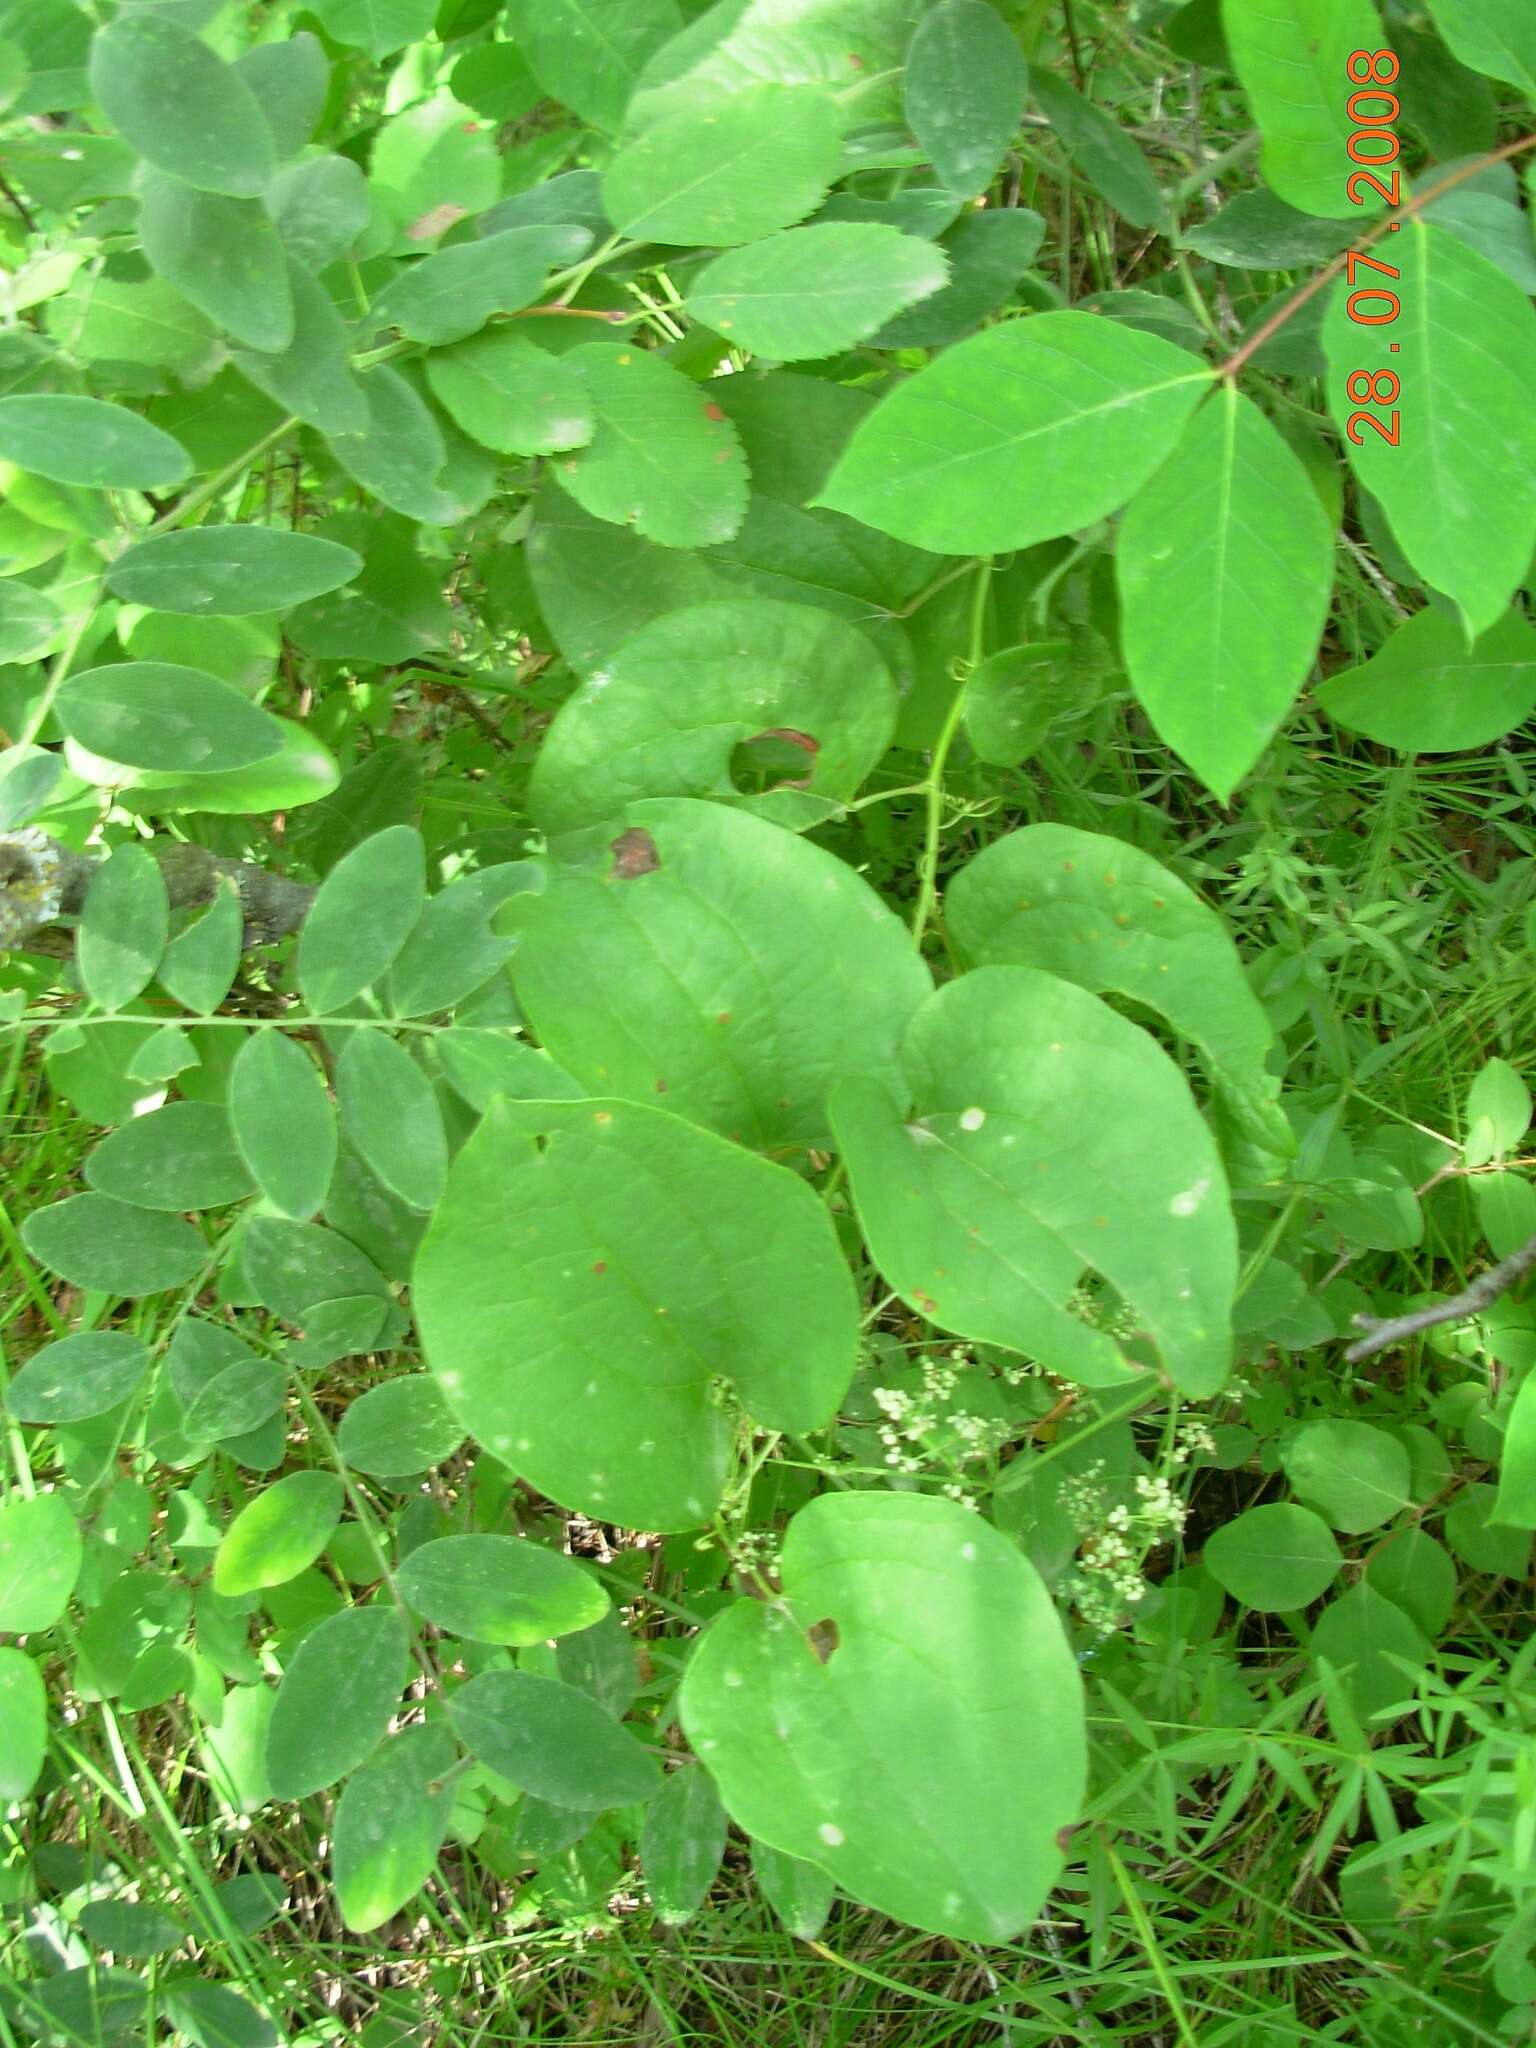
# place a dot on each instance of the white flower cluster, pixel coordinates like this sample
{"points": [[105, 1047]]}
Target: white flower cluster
{"points": [[1108, 1578], [912, 1416], [758, 1549], [1194, 1435]]}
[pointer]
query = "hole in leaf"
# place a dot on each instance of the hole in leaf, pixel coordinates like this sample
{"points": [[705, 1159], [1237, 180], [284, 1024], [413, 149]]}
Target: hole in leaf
{"points": [[823, 1639], [634, 853], [780, 758]]}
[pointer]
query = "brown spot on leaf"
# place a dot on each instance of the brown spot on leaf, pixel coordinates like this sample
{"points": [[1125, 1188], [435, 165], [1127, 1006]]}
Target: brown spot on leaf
{"points": [[713, 411], [661, 1086], [634, 853], [437, 222], [724, 1017], [823, 1639], [601, 1266]]}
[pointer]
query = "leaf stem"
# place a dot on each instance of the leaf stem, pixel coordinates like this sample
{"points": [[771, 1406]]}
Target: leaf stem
{"points": [[933, 785], [1330, 271]]}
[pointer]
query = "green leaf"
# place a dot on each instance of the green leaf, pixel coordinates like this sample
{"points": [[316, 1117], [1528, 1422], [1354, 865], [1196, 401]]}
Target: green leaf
{"points": [[40, 1558], [1493, 36], [124, 922], [379, 27], [1363, 1635], [230, 571], [130, 1929], [760, 160], [399, 1428], [224, 255], [28, 779], [1026, 431], [1257, 231], [361, 918], [453, 949], [390, 1114], [1023, 1163], [553, 1741], [664, 716], [225, 1389], [662, 458], [278, 1534], [400, 456], [181, 1156], [588, 53], [157, 714], [86, 441], [1104, 914], [744, 1022], [512, 395], [295, 1267], [500, 1589], [1466, 340], [390, 1822], [681, 1844], [180, 106], [1225, 568], [800, 1893], [393, 611], [86, 1374], [283, 1122], [578, 1330], [431, 165], [335, 1700], [1014, 698], [1275, 1558], [107, 321], [1515, 1505], [829, 43], [451, 295], [890, 1757], [95, 1241], [312, 376], [1417, 1573], [1354, 1472], [1425, 691], [964, 92], [1291, 57], [597, 585], [817, 290], [1102, 152], [300, 772], [320, 206], [24, 1715], [290, 80], [495, 80], [200, 963], [987, 252], [1498, 1112], [29, 620], [481, 1063]]}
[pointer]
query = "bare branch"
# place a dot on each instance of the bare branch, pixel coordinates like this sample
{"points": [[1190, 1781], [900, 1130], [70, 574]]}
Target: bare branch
{"points": [[1484, 1291], [42, 880]]}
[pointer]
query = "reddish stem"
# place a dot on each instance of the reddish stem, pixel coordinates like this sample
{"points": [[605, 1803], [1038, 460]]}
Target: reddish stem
{"points": [[1383, 227]]}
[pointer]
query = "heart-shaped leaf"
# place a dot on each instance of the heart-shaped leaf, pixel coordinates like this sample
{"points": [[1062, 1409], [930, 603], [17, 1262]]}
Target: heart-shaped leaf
{"points": [[594, 1270], [1023, 1164], [927, 1748]]}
